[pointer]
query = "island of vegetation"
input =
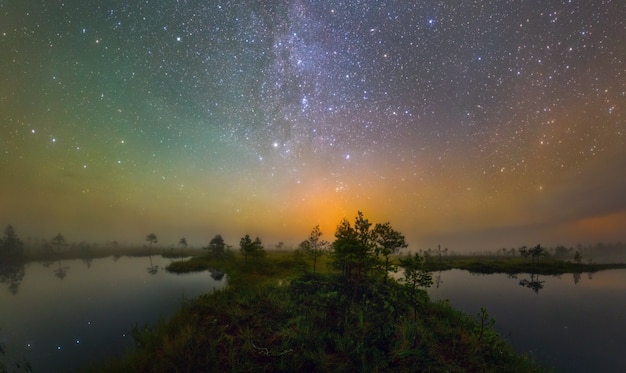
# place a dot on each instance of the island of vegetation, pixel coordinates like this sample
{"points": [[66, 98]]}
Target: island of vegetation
{"points": [[323, 307]]}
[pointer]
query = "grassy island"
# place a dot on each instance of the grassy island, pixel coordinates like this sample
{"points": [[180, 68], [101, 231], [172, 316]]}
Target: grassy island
{"points": [[277, 315]]}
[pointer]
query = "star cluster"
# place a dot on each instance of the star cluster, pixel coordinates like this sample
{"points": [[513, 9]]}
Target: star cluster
{"points": [[472, 123]]}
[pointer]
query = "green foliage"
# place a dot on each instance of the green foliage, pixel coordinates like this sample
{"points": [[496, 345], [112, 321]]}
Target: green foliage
{"points": [[251, 249], [415, 277], [217, 247], [354, 248], [388, 241], [485, 322], [314, 246], [11, 247]]}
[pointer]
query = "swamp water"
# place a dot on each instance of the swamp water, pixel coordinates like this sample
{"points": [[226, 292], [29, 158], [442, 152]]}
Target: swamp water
{"points": [[572, 323], [65, 315], [68, 314]]}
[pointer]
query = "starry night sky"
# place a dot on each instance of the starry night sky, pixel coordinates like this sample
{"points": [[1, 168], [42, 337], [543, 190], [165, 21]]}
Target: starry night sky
{"points": [[470, 124]]}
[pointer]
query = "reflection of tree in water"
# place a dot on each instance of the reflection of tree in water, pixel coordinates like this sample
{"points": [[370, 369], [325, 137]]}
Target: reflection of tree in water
{"points": [[85, 253], [87, 261], [576, 277], [438, 280], [61, 272], [11, 259], [533, 283], [216, 274], [12, 273], [152, 269]]}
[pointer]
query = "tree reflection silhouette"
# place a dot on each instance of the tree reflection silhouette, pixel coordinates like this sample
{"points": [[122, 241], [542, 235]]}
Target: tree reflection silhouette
{"points": [[533, 283], [61, 272], [152, 269], [12, 273]]}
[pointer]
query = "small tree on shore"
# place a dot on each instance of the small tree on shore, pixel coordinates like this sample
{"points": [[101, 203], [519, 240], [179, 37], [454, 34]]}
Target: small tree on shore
{"points": [[251, 249], [388, 242], [314, 247], [217, 247], [58, 240], [577, 257], [354, 248], [11, 246], [183, 244], [151, 238], [537, 252]]}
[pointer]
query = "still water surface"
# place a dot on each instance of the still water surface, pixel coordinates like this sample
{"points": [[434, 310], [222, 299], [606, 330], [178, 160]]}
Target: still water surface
{"points": [[64, 315], [570, 324], [68, 314]]}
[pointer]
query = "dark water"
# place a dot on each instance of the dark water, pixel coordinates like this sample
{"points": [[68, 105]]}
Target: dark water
{"points": [[65, 315], [570, 324]]}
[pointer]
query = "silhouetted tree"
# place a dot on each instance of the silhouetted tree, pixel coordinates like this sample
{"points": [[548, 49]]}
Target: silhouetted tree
{"points": [[259, 251], [561, 251], [577, 257], [314, 247], [11, 260], [388, 242], [251, 249], [537, 252], [11, 247], [523, 251], [58, 240], [183, 245], [216, 246], [151, 238], [354, 248]]}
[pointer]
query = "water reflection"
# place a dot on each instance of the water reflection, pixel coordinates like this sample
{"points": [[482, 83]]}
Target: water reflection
{"points": [[152, 269], [216, 274], [87, 261], [61, 271], [105, 299], [551, 320], [534, 283], [437, 280], [12, 272]]}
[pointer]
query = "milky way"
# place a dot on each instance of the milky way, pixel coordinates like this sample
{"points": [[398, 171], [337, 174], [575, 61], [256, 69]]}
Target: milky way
{"points": [[474, 124]]}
